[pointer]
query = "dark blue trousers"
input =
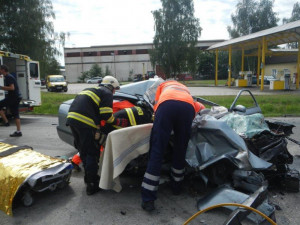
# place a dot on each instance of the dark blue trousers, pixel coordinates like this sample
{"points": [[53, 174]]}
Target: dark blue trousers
{"points": [[89, 152], [170, 115]]}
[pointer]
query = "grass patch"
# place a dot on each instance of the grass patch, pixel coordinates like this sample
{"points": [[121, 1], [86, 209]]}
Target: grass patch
{"points": [[199, 83], [51, 102], [271, 105]]}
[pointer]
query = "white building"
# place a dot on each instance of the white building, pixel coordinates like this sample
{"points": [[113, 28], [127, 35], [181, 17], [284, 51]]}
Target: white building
{"points": [[121, 60]]}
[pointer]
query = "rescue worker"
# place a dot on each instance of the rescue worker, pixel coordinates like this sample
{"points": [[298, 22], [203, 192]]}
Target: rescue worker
{"points": [[174, 110], [87, 110], [136, 115]]}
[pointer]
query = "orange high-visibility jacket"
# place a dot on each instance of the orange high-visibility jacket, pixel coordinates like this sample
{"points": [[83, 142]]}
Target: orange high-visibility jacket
{"points": [[173, 90]]}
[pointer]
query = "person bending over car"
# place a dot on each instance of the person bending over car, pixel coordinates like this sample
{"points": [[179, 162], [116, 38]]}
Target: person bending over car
{"points": [[136, 115], [175, 110], [87, 110]]}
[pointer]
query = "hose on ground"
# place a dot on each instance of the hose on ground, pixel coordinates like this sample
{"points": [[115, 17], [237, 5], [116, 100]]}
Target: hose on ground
{"points": [[230, 204]]}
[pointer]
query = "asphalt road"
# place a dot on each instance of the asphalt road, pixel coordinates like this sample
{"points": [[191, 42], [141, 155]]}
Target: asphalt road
{"points": [[71, 205]]}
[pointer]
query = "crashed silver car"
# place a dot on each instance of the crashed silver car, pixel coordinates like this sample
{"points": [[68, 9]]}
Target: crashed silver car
{"points": [[235, 152]]}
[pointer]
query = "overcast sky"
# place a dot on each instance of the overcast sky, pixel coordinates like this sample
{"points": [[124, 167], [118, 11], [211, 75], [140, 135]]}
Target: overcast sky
{"points": [[112, 22]]}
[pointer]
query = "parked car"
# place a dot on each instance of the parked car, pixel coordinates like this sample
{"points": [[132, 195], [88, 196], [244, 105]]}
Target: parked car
{"points": [[267, 79], [56, 83], [94, 80], [184, 77]]}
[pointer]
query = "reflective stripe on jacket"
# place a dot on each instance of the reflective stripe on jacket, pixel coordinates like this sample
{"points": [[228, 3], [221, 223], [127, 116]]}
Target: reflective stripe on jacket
{"points": [[91, 106]]}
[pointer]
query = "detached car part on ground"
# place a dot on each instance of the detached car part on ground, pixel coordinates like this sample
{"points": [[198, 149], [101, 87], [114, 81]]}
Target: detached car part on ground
{"points": [[232, 150]]}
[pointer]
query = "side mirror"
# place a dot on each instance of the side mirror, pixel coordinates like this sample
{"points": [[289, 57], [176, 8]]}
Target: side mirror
{"points": [[240, 108]]}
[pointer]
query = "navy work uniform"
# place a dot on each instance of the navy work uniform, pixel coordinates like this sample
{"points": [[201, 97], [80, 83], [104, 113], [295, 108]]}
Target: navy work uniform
{"points": [[174, 111], [87, 110]]}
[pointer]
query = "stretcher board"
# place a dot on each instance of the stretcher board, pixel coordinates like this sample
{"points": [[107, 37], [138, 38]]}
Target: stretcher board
{"points": [[23, 170]]}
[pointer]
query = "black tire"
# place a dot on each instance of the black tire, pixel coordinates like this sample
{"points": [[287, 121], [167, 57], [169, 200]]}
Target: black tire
{"points": [[66, 89], [27, 199]]}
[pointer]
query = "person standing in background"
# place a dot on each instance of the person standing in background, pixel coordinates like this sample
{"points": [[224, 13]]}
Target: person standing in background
{"points": [[12, 100]]}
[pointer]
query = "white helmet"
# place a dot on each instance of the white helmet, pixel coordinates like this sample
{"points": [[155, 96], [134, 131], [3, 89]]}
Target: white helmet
{"points": [[110, 80]]}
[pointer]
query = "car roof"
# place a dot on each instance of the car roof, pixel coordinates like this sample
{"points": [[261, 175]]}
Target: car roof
{"points": [[55, 75]]}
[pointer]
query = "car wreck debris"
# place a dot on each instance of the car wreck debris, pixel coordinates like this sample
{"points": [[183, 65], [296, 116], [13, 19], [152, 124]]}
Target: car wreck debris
{"points": [[233, 150]]}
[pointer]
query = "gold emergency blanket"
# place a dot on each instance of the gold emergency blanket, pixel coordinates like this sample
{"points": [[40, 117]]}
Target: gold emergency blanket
{"points": [[16, 168]]}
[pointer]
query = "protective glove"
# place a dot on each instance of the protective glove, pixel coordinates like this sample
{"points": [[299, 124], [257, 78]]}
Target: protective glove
{"points": [[102, 140], [100, 137]]}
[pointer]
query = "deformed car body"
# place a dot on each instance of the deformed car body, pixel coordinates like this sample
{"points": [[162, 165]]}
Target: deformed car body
{"points": [[235, 147]]}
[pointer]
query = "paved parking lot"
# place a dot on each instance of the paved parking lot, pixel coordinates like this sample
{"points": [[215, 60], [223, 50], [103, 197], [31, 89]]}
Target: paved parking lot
{"points": [[72, 206]]}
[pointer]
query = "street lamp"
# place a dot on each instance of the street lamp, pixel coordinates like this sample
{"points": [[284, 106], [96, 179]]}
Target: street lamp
{"points": [[143, 71]]}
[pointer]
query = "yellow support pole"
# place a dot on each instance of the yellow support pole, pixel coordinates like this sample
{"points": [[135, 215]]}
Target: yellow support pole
{"points": [[243, 59], [263, 61], [258, 65], [298, 67], [216, 73], [229, 65]]}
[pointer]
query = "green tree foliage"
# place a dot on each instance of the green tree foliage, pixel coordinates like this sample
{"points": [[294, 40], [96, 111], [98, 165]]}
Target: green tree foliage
{"points": [[252, 16], [107, 71], [207, 67], [95, 71], [26, 28], [295, 16], [176, 34]]}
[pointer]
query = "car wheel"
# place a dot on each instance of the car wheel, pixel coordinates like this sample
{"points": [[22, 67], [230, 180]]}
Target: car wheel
{"points": [[66, 89], [89, 82], [27, 199], [49, 89]]}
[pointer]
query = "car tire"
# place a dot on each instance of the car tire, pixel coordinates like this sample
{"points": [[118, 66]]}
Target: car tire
{"points": [[66, 89], [49, 89], [89, 82]]}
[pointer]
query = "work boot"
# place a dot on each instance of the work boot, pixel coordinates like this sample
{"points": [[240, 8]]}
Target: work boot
{"points": [[148, 206], [92, 188]]}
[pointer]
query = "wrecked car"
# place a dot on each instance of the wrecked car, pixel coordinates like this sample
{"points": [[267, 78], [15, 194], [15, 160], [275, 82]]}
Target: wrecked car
{"points": [[235, 151]]}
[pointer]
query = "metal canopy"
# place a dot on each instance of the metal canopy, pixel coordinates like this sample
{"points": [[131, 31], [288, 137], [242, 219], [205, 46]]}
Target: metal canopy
{"points": [[286, 33]]}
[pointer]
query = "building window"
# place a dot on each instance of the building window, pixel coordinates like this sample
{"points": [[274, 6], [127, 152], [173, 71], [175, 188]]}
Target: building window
{"points": [[89, 53], [124, 52], [106, 53], [141, 51], [73, 54]]}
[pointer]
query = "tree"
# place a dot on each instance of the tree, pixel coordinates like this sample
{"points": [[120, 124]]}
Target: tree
{"points": [[295, 16], [107, 71], [176, 34], [95, 71], [252, 16], [26, 28]]}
